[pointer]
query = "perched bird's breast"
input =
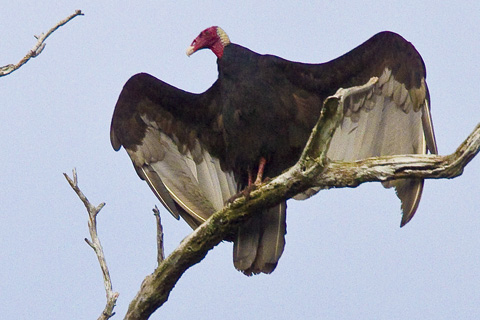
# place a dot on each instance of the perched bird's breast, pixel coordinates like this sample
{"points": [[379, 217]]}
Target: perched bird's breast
{"points": [[257, 116]]}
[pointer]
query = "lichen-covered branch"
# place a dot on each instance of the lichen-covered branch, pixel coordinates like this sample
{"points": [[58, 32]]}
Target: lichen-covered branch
{"points": [[312, 170], [38, 47], [156, 287], [95, 244]]}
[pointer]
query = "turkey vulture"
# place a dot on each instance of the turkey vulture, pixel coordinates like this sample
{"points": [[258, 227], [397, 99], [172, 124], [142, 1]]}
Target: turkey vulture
{"points": [[196, 151]]}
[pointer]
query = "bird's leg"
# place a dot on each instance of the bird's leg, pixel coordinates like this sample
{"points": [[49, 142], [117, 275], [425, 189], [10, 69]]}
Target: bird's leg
{"points": [[258, 181], [250, 177], [261, 168]]}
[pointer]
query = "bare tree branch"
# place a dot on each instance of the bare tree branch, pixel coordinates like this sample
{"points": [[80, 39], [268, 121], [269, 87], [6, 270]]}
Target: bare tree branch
{"points": [[96, 246], [38, 47], [160, 249], [312, 170]]}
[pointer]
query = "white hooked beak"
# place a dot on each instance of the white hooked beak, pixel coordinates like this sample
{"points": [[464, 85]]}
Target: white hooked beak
{"points": [[190, 50]]}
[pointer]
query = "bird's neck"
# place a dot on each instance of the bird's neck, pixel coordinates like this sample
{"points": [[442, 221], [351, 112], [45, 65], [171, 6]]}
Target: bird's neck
{"points": [[217, 49]]}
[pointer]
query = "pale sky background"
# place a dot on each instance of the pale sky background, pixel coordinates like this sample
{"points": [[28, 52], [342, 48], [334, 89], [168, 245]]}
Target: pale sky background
{"points": [[345, 256]]}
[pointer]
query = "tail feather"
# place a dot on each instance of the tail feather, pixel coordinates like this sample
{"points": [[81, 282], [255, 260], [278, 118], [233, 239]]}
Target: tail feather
{"points": [[246, 244], [258, 249]]}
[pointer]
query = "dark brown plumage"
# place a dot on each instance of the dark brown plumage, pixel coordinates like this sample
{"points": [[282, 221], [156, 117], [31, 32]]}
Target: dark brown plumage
{"points": [[197, 150]]}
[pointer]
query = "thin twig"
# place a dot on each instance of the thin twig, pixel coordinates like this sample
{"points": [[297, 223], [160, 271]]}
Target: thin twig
{"points": [[96, 246], [160, 249], [38, 47]]}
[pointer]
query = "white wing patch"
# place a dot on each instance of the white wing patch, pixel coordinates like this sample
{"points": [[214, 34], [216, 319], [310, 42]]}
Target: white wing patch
{"points": [[385, 121], [193, 179]]}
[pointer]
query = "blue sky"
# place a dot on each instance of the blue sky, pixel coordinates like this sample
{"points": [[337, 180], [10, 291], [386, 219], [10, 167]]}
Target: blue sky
{"points": [[345, 257]]}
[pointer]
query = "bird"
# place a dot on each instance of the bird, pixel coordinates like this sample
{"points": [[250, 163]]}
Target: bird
{"points": [[198, 150]]}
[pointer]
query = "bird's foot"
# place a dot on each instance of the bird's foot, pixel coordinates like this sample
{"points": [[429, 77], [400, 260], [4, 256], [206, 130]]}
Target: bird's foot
{"points": [[244, 193]]}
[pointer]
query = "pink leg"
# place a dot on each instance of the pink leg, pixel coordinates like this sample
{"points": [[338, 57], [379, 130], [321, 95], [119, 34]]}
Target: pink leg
{"points": [[250, 177], [261, 168]]}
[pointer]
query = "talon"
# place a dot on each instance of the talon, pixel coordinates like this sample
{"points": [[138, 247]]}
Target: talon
{"points": [[244, 193]]}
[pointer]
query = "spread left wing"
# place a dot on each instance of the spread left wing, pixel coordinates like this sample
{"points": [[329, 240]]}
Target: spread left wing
{"points": [[174, 140]]}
